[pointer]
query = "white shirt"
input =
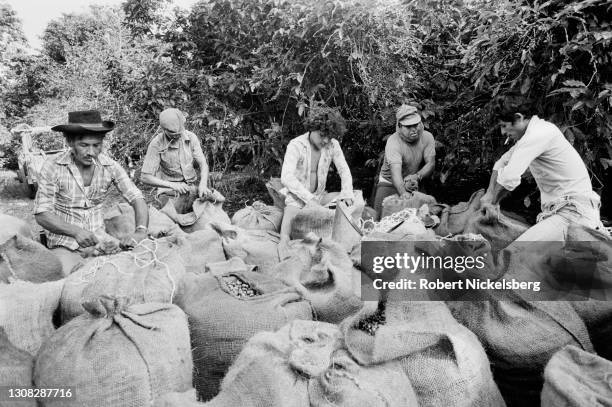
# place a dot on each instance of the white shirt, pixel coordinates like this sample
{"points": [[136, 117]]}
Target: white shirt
{"points": [[554, 163], [295, 174]]}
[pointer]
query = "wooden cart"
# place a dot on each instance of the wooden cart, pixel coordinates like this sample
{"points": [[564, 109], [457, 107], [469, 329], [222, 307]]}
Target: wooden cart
{"points": [[32, 154]]}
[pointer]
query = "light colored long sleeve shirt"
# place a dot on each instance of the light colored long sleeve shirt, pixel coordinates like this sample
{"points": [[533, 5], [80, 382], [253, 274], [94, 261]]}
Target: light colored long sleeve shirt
{"points": [[554, 163], [295, 174]]}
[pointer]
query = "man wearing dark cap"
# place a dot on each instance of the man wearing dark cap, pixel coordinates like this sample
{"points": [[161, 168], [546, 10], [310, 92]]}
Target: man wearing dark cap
{"points": [[410, 156], [74, 184], [169, 163]]}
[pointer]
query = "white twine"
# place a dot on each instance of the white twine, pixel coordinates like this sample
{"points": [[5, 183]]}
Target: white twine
{"points": [[140, 260]]}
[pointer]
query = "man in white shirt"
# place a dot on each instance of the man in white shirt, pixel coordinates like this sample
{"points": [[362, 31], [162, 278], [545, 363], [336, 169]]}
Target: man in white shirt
{"points": [[565, 188], [307, 161]]}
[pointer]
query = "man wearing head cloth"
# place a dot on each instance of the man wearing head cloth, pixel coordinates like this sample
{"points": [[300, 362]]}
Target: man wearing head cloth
{"points": [[169, 163], [410, 156]]}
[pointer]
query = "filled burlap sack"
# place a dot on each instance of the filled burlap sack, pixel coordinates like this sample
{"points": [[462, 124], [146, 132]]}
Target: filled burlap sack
{"points": [[575, 378], [119, 222], [16, 368], [22, 258], [256, 247], [301, 365], [443, 360], [590, 251], [323, 273], [259, 216], [117, 355], [274, 187], [394, 203], [204, 212], [12, 226], [149, 273], [500, 230], [453, 220], [26, 312], [233, 265], [203, 247], [319, 219], [520, 338], [225, 311]]}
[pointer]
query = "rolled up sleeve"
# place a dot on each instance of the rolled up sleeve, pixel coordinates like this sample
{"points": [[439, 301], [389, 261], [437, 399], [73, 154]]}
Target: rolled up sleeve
{"points": [[344, 171], [196, 149], [124, 184], [45, 196], [288, 177], [150, 164], [528, 148]]}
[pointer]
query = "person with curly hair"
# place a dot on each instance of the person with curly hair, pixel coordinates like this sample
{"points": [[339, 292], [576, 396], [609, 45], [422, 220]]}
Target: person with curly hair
{"points": [[307, 161]]}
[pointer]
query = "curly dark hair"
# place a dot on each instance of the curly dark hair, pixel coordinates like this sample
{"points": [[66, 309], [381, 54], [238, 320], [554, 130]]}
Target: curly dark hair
{"points": [[327, 120], [505, 107]]}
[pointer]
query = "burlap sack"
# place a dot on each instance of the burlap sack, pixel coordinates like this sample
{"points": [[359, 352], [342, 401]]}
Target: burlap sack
{"points": [[274, 186], [149, 273], [117, 355], [22, 258], [16, 368], [323, 274], [320, 219], [203, 247], [575, 378], [500, 230], [257, 247], [453, 220], [204, 212], [394, 203], [233, 265], [221, 323], [26, 312], [444, 361], [119, 222], [520, 338], [179, 399], [12, 226], [259, 216], [589, 249]]}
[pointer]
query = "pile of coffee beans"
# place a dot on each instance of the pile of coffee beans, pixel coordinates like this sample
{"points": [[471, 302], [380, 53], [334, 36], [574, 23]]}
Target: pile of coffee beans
{"points": [[239, 288], [371, 323]]}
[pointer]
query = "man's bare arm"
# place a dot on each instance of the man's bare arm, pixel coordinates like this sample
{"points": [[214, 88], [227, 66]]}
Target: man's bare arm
{"points": [[396, 178], [55, 224]]}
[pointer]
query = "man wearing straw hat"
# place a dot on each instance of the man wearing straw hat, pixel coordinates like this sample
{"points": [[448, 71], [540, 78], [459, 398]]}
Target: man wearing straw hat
{"points": [[169, 163], [410, 156], [73, 186]]}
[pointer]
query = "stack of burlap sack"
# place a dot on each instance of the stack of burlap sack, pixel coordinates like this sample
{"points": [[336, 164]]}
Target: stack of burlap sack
{"points": [[211, 305]]}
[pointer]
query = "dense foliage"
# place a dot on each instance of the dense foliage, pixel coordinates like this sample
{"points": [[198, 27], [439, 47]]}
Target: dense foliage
{"points": [[246, 71]]}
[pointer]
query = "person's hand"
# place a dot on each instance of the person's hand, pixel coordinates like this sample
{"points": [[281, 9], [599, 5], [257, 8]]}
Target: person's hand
{"points": [[411, 182], [133, 239], [203, 189], [313, 202], [180, 187], [85, 238], [486, 199]]}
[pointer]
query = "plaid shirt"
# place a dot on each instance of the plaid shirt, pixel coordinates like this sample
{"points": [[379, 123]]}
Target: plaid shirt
{"points": [[62, 192]]}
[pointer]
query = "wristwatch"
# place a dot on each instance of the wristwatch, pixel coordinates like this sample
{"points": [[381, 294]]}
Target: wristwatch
{"points": [[142, 227]]}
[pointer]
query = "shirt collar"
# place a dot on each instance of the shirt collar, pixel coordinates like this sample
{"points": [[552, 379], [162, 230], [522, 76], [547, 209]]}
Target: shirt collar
{"points": [[165, 143]]}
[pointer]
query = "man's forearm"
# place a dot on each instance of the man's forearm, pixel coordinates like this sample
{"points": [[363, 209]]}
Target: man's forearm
{"points": [[204, 174], [55, 224], [152, 180], [141, 212], [427, 170], [498, 193]]}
